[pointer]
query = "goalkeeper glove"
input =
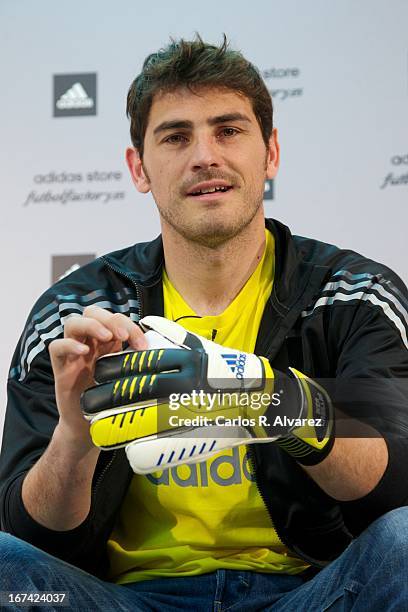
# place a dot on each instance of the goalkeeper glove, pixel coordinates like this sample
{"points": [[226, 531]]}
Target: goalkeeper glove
{"points": [[192, 398]]}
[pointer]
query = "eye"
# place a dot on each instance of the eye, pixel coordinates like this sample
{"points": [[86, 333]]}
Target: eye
{"points": [[229, 131], [175, 139]]}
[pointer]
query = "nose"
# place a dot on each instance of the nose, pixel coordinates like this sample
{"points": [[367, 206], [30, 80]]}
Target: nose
{"points": [[205, 153]]}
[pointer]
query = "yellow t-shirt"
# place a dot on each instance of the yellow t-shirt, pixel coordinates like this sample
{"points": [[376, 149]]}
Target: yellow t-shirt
{"points": [[195, 519]]}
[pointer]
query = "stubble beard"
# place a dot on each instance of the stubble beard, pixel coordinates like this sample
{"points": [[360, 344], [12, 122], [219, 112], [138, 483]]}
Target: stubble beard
{"points": [[209, 230]]}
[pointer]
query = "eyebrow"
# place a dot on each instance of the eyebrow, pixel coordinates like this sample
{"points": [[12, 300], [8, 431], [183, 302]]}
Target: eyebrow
{"points": [[184, 124]]}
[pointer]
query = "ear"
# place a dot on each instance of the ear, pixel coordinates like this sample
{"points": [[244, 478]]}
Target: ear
{"points": [[273, 157], [139, 177]]}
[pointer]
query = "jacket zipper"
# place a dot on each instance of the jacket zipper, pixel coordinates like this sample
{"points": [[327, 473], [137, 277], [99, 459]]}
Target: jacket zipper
{"points": [[253, 466], [102, 474], [292, 548], [139, 297], [136, 286]]}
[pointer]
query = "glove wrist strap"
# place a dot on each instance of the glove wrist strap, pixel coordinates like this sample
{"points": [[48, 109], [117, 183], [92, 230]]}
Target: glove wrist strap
{"points": [[313, 440]]}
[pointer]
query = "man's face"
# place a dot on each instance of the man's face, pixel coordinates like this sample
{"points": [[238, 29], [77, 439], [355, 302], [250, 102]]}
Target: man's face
{"points": [[198, 142]]}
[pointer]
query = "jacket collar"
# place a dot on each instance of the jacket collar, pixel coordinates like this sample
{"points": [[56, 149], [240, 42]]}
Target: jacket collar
{"points": [[296, 280], [296, 283], [142, 263]]}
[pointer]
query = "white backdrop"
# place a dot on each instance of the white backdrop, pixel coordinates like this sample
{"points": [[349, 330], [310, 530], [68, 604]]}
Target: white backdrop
{"points": [[339, 76]]}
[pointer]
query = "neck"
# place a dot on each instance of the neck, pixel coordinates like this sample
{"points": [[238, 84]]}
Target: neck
{"points": [[210, 278]]}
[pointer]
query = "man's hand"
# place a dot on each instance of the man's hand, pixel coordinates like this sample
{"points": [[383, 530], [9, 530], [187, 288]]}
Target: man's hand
{"points": [[57, 490], [133, 402], [73, 358]]}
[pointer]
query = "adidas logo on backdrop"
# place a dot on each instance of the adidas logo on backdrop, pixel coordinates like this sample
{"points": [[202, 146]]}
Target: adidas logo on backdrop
{"points": [[63, 265], [75, 97], [74, 94], [269, 190]]}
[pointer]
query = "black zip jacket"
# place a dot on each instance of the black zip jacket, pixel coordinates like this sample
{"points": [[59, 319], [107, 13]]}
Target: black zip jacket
{"points": [[332, 313]]}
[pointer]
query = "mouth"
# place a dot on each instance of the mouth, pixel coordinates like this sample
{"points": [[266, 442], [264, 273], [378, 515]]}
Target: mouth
{"points": [[209, 192]]}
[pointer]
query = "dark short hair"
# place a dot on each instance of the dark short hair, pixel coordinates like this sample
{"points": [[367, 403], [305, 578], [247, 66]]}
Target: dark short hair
{"points": [[195, 64]]}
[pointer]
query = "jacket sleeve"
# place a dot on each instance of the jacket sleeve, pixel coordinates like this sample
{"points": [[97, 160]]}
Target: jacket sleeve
{"points": [[31, 417], [371, 382]]}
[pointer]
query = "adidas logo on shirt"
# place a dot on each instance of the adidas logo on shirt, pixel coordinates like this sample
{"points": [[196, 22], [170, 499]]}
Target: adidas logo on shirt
{"points": [[75, 97], [225, 469]]}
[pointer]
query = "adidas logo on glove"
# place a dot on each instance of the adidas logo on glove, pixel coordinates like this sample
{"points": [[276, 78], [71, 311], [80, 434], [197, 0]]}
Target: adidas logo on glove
{"points": [[237, 364]]}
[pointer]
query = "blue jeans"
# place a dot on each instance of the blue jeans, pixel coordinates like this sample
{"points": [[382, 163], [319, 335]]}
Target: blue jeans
{"points": [[370, 575]]}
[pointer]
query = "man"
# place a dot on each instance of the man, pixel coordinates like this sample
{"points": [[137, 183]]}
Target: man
{"points": [[252, 527]]}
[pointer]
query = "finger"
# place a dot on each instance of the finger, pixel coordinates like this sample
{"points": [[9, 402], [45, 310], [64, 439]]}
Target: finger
{"points": [[81, 328], [130, 363], [128, 391], [61, 349], [121, 326], [113, 431], [137, 339], [147, 456]]}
